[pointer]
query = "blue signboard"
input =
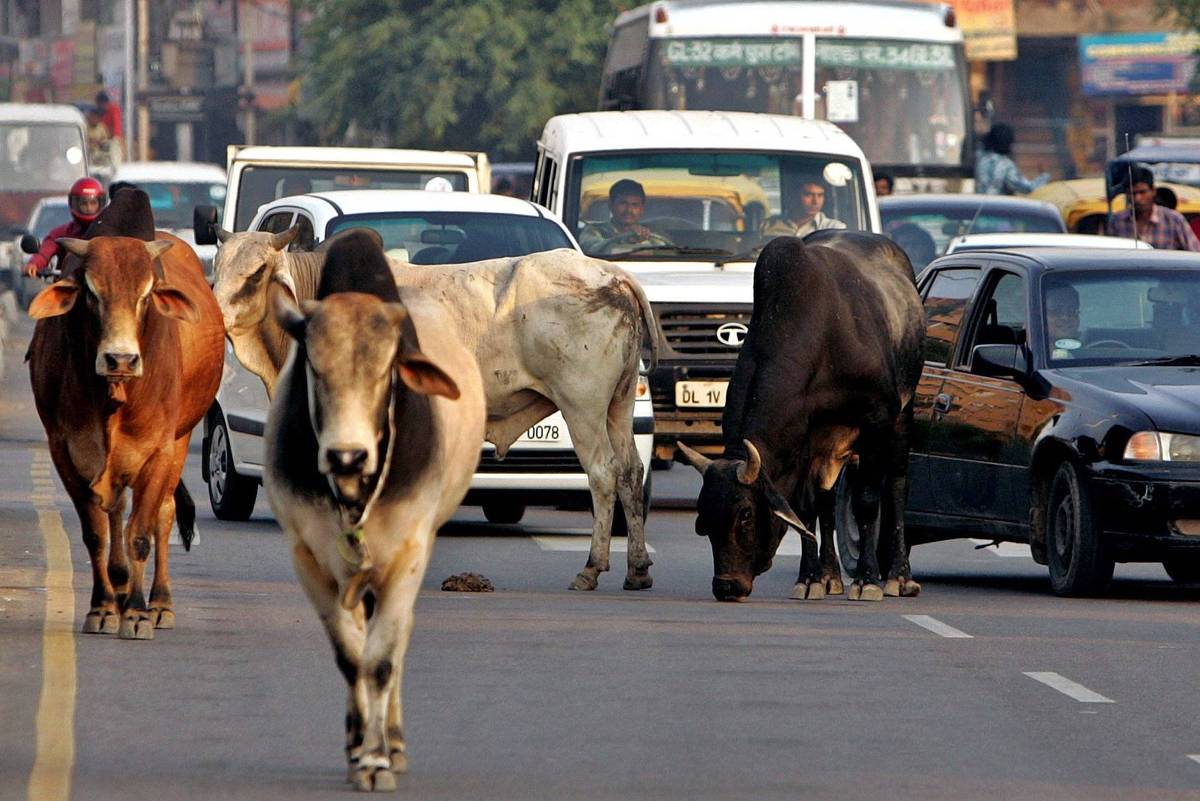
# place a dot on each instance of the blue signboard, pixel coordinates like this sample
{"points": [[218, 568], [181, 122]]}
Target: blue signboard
{"points": [[1138, 63]]}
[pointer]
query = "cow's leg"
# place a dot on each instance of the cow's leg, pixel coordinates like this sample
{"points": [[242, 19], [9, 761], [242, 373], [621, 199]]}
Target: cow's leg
{"points": [[865, 499], [162, 610], [900, 581], [347, 633], [809, 586], [630, 475], [383, 664], [831, 569], [118, 558], [103, 615], [151, 492], [589, 432]]}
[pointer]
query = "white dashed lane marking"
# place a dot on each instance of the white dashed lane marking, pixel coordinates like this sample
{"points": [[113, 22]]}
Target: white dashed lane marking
{"points": [[938, 627], [584, 544], [1194, 757], [1069, 688], [1011, 550]]}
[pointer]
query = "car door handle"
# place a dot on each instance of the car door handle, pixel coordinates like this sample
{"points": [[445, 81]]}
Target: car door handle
{"points": [[942, 403]]}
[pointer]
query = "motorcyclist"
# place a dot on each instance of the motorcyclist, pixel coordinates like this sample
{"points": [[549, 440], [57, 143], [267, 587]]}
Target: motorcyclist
{"points": [[85, 201]]}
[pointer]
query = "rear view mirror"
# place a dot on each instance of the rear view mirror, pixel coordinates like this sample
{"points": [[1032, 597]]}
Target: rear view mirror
{"points": [[442, 236], [1000, 361], [29, 244], [204, 225]]}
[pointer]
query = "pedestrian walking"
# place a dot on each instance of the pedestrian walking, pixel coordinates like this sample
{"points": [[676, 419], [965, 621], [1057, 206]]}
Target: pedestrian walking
{"points": [[1163, 228], [995, 171]]}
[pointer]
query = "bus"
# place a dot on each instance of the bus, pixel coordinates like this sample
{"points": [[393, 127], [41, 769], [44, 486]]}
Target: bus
{"points": [[889, 73]]}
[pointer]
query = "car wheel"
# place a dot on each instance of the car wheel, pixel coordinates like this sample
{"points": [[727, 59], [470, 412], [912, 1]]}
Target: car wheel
{"points": [[504, 512], [231, 496], [1076, 557], [1183, 568], [849, 535], [620, 528]]}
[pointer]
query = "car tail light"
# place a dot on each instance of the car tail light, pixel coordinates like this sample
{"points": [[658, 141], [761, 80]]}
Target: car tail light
{"points": [[643, 387]]}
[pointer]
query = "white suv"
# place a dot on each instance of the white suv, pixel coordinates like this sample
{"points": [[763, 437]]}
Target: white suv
{"points": [[423, 228]]}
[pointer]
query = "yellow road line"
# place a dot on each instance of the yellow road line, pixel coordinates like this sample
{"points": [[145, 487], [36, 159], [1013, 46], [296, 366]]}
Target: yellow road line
{"points": [[50, 779]]}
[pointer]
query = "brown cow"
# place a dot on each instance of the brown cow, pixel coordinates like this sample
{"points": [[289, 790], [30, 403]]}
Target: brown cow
{"points": [[119, 384]]}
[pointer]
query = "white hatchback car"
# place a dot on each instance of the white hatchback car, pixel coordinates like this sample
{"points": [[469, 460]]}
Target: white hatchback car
{"points": [[1020, 239], [424, 228]]}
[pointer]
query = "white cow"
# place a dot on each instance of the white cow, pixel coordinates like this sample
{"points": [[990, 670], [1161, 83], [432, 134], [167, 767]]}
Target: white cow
{"points": [[551, 331], [373, 436]]}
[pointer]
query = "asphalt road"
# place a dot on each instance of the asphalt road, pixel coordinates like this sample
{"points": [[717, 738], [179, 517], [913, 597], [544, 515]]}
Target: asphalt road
{"points": [[984, 686]]}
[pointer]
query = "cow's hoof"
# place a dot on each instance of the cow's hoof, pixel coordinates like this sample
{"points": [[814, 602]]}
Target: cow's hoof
{"points": [[399, 762], [909, 589], [374, 780], [91, 623], [137, 628], [163, 618], [891, 588], [584, 582], [860, 591], [639, 581], [833, 585], [808, 591]]}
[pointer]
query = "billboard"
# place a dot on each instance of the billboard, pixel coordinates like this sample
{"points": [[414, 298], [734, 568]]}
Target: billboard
{"points": [[1138, 63]]}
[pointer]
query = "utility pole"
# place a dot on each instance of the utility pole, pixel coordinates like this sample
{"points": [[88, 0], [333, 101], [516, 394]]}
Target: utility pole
{"points": [[127, 101], [143, 74], [250, 123]]}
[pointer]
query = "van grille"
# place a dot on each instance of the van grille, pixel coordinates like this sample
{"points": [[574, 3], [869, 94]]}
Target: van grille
{"points": [[530, 462], [693, 332]]}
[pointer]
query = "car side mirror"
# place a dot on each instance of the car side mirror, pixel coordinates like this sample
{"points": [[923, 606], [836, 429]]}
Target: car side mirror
{"points": [[204, 225], [1000, 361], [29, 244]]}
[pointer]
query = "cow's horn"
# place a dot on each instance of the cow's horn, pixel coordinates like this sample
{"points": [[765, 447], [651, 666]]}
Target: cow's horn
{"points": [[747, 472], [284, 238], [223, 235], [694, 458], [77, 246]]}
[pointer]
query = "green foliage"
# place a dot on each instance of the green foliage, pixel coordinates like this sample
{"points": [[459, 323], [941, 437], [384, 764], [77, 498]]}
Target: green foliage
{"points": [[457, 74]]}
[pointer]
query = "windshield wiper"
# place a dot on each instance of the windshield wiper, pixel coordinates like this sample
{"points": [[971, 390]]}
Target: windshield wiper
{"points": [[681, 250], [745, 255], [1190, 360]]}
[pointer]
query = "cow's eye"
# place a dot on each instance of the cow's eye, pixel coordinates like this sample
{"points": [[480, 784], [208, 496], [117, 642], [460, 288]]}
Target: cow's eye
{"points": [[257, 275]]}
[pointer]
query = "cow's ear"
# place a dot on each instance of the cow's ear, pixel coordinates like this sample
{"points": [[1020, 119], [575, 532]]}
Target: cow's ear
{"points": [[78, 247], [56, 299], [423, 376], [287, 314], [158, 247], [172, 302]]}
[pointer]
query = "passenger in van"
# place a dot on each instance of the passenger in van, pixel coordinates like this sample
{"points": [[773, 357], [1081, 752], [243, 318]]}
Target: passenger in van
{"points": [[802, 213], [626, 204], [295, 185]]}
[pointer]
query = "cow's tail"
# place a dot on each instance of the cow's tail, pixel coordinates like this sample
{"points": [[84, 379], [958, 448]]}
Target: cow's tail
{"points": [[648, 320], [185, 515]]}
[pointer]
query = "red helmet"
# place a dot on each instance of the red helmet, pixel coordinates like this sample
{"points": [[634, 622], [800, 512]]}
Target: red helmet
{"points": [[85, 189]]}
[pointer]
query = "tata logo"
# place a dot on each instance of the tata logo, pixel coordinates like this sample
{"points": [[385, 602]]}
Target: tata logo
{"points": [[732, 334]]}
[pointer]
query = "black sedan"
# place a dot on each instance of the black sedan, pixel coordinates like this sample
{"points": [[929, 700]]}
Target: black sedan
{"points": [[924, 224], [1060, 406]]}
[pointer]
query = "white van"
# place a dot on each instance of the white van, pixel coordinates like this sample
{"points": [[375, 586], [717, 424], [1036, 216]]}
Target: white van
{"points": [[259, 174], [716, 187]]}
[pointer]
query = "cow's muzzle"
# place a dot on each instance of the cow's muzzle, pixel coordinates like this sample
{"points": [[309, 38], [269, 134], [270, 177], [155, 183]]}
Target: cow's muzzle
{"points": [[120, 366], [346, 461], [728, 588]]}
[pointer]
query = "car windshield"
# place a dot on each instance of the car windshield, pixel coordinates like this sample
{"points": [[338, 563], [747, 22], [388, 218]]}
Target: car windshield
{"points": [[925, 233], [259, 185], [40, 156], [1121, 318], [172, 201], [48, 217], [714, 205], [456, 237]]}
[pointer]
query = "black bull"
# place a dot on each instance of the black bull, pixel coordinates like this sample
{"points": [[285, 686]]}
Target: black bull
{"points": [[825, 377]]}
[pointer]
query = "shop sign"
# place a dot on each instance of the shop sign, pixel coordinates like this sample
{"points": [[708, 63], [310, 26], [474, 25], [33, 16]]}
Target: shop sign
{"points": [[176, 108], [1138, 63], [989, 29]]}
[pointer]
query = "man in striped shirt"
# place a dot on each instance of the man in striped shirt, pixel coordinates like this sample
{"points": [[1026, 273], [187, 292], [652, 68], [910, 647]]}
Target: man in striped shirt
{"points": [[1163, 228]]}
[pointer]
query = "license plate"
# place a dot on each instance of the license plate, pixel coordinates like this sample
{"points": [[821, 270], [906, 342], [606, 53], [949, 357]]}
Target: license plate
{"points": [[700, 394], [543, 432]]}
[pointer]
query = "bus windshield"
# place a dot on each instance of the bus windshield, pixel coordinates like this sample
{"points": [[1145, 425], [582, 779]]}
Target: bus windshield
{"points": [[680, 205], [903, 102]]}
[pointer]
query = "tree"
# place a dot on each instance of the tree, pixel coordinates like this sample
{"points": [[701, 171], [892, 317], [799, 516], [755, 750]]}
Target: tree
{"points": [[456, 74]]}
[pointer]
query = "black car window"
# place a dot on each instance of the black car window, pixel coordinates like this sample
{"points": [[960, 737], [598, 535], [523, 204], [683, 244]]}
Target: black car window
{"points": [[945, 303], [305, 239], [1003, 318], [277, 222]]}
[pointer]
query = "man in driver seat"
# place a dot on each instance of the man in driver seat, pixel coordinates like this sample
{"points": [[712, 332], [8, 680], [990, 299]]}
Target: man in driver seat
{"points": [[1062, 321], [624, 233]]}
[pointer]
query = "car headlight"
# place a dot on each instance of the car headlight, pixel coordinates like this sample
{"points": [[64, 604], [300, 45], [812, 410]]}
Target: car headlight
{"points": [[1159, 446]]}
